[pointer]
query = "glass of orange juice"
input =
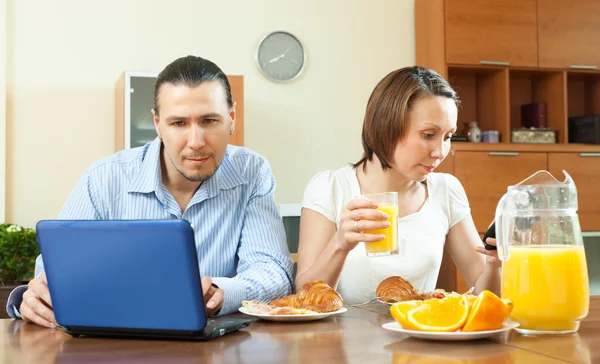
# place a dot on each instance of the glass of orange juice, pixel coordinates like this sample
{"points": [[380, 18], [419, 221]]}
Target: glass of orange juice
{"points": [[386, 202]]}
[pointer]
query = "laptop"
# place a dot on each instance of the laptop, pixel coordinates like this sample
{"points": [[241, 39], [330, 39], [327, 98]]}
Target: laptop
{"points": [[127, 278]]}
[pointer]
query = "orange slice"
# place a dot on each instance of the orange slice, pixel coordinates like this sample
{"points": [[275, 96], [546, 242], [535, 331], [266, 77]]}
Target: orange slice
{"points": [[400, 309], [472, 299], [442, 315], [488, 312]]}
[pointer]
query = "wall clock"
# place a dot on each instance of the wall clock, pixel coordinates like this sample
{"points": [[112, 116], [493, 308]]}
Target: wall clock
{"points": [[280, 56]]}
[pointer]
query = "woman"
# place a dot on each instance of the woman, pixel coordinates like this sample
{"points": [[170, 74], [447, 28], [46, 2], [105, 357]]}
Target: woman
{"points": [[410, 118]]}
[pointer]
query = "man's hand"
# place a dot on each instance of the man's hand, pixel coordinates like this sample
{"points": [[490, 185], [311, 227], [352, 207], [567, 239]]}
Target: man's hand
{"points": [[213, 297], [36, 305]]}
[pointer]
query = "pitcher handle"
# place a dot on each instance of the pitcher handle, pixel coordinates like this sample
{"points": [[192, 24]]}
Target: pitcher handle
{"points": [[501, 234]]}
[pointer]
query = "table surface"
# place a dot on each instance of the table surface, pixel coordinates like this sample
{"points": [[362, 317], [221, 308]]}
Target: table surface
{"points": [[355, 336]]}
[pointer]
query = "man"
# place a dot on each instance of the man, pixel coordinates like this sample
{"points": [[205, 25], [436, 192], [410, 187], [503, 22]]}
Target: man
{"points": [[188, 172]]}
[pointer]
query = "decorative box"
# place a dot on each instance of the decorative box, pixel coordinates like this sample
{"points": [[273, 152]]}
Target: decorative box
{"points": [[584, 129], [533, 136]]}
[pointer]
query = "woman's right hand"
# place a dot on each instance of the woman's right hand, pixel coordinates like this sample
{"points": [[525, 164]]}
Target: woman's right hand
{"points": [[360, 215]]}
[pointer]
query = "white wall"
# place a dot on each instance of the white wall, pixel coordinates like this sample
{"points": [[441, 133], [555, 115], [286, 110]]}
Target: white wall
{"points": [[2, 110], [65, 56]]}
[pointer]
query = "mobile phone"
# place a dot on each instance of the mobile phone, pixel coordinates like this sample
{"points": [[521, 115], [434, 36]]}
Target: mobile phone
{"points": [[490, 233]]}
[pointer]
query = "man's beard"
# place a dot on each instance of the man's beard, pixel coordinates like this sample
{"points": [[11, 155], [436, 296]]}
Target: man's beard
{"points": [[200, 177]]}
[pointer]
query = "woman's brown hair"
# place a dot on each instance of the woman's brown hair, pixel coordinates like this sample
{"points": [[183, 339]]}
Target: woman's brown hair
{"points": [[386, 117]]}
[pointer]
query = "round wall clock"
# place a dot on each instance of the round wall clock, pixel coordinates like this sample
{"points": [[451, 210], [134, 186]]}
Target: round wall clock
{"points": [[280, 56]]}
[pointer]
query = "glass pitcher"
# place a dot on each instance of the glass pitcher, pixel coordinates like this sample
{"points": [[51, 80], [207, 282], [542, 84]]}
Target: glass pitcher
{"points": [[544, 270]]}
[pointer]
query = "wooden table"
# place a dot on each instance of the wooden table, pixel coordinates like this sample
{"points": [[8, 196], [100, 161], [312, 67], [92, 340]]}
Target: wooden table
{"points": [[353, 337]]}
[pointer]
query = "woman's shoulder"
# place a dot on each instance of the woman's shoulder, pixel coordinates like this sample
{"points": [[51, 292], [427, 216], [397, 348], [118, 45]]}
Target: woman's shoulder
{"points": [[443, 181], [328, 191], [333, 177]]}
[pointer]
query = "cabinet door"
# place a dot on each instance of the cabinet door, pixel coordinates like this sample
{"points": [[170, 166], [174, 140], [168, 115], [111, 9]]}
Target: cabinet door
{"points": [[447, 166], [568, 33], [487, 175], [584, 168], [237, 95], [491, 31]]}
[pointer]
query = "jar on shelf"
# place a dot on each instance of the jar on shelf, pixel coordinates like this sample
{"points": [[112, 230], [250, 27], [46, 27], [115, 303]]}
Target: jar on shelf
{"points": [[490, 136], [473, 132]]}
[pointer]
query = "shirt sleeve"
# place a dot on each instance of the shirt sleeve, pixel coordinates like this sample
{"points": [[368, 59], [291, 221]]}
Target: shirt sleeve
{"points": [[457, 200], [320, 196], [264, 267], [82, 204]]}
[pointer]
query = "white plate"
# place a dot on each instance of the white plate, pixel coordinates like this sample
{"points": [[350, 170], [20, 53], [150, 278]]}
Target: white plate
{"points": [[308, 317], [449, 336]]}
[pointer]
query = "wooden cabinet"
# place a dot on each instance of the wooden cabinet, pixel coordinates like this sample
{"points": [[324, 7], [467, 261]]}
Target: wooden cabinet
{"points": [[447, 166], [568, 33], [134, 98], [584, 168], [491, 31], [485, 177]]}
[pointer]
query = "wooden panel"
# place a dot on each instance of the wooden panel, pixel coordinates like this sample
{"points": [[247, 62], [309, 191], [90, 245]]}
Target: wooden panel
{"points": [[491, 30], [486, 178], [583, 92], [520, 93], [551, 88], [516, 147], [429, 35], [447, 166], [585, 172], [568, 33], [120, 113], [4, 293], [537, 86], [466, 87], [449, 277], [448, 272], [484, 95], [237, 94], [493, 103]]}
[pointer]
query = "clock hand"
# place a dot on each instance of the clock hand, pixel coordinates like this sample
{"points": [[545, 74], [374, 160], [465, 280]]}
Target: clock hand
{"points": [[275, 59], [290, 60], [284, 52]]}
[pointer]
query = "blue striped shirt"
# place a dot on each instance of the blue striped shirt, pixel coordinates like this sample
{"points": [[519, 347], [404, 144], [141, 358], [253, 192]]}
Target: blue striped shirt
{"points": [[238, 231]]}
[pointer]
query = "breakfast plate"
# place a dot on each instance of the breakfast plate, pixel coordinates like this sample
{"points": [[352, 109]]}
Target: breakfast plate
{"points": [[450, 336], [291, 318]]}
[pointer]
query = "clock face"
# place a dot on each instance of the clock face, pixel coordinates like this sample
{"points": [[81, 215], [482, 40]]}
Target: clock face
{"points": [[280, 56]]}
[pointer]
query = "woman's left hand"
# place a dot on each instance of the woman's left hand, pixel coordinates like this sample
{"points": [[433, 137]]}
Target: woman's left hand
{"points": [[491, 255]]}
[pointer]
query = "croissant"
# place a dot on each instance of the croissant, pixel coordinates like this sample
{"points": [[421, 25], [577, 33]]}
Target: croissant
{"points": [[396, 289], [316, 296]]}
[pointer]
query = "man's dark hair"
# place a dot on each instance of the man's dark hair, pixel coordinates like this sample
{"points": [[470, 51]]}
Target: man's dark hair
{"points": [[191, 71]]}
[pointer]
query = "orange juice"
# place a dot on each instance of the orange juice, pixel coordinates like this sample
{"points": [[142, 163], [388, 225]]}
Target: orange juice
{"points": [[548, 285], [389, 245]]}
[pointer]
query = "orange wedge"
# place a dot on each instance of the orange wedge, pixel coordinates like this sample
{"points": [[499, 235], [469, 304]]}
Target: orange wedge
{"points": [[488, 312], [471, 299], [442, 315], [400, 309]]}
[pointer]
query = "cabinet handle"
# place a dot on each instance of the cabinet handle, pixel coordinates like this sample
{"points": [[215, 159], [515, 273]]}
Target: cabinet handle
{"points": [[583, 67], [495, 63], [589, 154], [507, 154]]}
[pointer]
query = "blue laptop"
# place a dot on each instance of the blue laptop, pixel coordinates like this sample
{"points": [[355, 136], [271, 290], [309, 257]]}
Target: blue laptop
{"points": [[128, 278]]}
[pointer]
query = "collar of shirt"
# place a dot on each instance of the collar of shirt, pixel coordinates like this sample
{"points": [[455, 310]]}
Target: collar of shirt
{"points": [[149, 178]]}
